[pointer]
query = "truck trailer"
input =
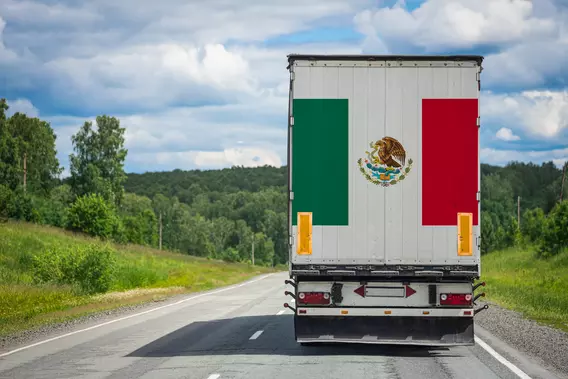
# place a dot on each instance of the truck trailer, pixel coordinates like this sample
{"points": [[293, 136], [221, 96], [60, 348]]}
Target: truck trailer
{"points": [[384, 200]]}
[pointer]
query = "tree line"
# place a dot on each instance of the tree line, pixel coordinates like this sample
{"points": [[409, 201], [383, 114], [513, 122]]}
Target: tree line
{"points": [[226, 214], [221, 214]]}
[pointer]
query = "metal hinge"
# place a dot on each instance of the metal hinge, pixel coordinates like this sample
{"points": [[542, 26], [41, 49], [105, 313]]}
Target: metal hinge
{"points": [[478, 78], [291, 120], [292, 76], [478, 196], [291, 195], [478, 121], [291, 241]]}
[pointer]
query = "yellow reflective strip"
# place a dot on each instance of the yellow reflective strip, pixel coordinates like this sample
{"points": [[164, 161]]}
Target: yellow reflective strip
{"points": [[304, 233], [465, 234]]}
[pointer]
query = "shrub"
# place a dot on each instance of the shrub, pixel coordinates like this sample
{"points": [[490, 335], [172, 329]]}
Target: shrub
{"points": [[5, 202], [94, 272], [93, 215], [90, 269], [231, 255], [533, 224], [22, 208], [555, 233], [49, 211]]}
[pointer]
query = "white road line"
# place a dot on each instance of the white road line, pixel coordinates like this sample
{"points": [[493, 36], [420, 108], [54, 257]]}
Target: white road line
{"points": [[131, 316], [280, 312], [501, 359], [256, 335], [214, 376]]}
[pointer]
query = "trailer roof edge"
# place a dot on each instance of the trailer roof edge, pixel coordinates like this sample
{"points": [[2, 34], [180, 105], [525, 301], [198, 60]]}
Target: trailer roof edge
{"points": [[368, 57]]}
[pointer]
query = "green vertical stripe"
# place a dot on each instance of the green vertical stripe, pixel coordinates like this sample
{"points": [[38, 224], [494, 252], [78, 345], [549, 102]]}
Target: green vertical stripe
{"points": [[320, 160]]}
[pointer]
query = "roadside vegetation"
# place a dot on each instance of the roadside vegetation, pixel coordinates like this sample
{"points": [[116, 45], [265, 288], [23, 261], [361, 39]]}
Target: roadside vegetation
{"points": [[49, 275], [518, 279], [161, 232]]}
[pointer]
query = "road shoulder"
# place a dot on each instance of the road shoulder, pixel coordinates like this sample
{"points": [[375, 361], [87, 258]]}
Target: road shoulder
{"points": [[524, 342], [48, 331]]}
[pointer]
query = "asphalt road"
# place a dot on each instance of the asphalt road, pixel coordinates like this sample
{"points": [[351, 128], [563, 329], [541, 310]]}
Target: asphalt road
{"points": [[240, 332]]}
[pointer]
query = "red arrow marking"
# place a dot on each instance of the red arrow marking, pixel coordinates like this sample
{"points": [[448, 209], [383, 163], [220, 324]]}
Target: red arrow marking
{"points": [[360, 291], [409, 291]]}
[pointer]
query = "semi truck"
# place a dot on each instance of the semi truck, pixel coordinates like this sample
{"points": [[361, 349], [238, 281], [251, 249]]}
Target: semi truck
{"points": [[384, 198]]}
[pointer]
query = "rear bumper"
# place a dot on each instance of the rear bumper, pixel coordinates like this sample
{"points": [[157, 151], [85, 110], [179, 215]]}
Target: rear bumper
{"points": [[427, 331]]}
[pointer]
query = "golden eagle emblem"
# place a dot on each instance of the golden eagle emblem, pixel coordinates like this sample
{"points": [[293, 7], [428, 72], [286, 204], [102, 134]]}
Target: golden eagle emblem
{"points": [[385, 164]]}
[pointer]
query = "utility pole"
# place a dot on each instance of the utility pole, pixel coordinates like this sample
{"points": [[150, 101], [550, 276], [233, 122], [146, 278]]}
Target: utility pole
{"points": [[25, 171], [562, 182], [253, 249], [519, 211], [160, 230]]}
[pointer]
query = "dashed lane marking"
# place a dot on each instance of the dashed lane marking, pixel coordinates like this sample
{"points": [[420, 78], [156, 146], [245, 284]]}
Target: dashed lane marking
{"points": [[256, 335]]}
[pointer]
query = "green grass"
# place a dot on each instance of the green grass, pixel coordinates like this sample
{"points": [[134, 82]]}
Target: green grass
{"points": [[25, 304], [518, 280]]}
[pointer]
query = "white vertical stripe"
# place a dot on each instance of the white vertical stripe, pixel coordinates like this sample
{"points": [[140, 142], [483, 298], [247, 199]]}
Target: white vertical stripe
{"points": [[376, 110], [361, 187], [394, 230], [345, 234], [425, 234], [410, 141]]}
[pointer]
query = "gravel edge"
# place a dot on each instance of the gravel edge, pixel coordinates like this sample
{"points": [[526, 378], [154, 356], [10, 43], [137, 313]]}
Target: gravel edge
{"points": [[547, 345]]}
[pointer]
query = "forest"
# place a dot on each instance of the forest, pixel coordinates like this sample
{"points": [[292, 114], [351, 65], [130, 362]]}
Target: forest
{"points": [[221, 214]]}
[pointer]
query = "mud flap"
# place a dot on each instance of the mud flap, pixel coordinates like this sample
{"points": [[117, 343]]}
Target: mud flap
{"points": [[425, 331]]}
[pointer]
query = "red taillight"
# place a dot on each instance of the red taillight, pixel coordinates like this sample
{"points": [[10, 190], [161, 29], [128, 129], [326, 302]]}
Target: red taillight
{"points": [[455, 299], [315, 298]]}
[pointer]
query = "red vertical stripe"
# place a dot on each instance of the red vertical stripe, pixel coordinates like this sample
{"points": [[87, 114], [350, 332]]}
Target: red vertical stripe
{"points": [[450, 165]]}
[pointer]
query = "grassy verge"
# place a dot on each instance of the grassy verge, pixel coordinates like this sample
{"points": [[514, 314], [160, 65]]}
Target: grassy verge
{"points": [[517, 280], [139, 274]]}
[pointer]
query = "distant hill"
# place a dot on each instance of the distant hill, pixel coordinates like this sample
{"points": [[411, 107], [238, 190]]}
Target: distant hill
{"points": [[538, 185], [185, 184]]}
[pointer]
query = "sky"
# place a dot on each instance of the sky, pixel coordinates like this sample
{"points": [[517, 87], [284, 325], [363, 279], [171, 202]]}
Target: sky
{"points": [[203, 84]]}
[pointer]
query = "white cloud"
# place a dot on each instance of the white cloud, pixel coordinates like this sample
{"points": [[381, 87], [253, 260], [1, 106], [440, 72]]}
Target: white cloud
{"points": [[5, 54], [541, 114], [159, 67], [23, 106], [502, 157], [438, 25], [155, 76], [142, 22], [506, 134], [187, 137], [531, 36], [248, 157], [195, 159]]}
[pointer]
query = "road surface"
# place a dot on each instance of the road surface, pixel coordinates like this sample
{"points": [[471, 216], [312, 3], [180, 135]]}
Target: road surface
{"points": [[237, 332]]}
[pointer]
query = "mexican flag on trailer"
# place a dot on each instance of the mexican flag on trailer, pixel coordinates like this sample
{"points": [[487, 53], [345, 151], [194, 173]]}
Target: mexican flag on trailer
{"points": [[383, 177]]}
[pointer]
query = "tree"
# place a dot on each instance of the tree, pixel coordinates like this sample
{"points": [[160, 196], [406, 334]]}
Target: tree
{"points": [[91, 214], [10, 167], [276, 228], [532, 224], [37, 160], [555, 235], [139, 220], [98, 165]]}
